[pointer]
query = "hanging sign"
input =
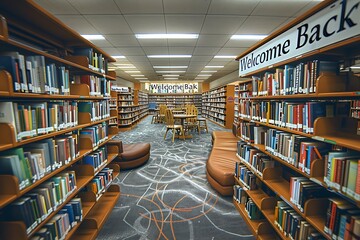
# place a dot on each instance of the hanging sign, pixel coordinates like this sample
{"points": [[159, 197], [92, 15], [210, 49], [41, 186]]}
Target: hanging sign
{"points": [[172, 87], [334, 23]]}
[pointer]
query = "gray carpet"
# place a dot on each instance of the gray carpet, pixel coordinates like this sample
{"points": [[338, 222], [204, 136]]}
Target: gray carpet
{"points": [[169, 197]]}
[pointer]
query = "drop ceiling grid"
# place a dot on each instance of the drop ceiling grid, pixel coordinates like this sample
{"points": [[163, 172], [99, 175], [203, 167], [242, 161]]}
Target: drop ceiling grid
{"points": [[214, 20]]}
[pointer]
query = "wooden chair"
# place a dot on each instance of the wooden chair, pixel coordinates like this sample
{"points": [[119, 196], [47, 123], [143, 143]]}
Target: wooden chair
{"points": [[192, 123], [170, 125], [161, 116], [202, 124]]}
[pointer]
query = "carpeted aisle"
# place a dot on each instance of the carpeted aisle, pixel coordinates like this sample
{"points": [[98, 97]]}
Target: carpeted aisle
{"points": [[169, 197]]}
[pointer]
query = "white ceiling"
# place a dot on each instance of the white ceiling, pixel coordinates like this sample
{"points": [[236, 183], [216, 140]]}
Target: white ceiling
{"points": [[214, 20]]}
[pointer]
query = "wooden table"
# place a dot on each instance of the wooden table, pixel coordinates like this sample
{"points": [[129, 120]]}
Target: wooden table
{"points": [[178, 112], [182, 118]]}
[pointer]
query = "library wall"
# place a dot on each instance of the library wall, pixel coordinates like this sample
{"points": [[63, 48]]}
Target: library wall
{"points": [[232, 77]]}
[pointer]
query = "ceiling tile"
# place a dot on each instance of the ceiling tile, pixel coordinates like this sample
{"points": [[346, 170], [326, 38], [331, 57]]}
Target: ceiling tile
{"points": [[153, 42], [184, 23], [231, 51], [222, 24], [155, 50], [78, 23], [280, 8], [181, 50], [57, 7], [244, 7], [206, 51], [186, 6], [95, 7], [122, 40], [260, 25], [140, 59], [181, 42], [133, 6], [240, 43], [102, 43], [127, 51], [109, 24], [203, 59], [146, 23], [209, 40], [307, 7]]}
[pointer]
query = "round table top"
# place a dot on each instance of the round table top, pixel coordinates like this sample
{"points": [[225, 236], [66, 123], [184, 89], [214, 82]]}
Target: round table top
{"points": [[184, 115]]}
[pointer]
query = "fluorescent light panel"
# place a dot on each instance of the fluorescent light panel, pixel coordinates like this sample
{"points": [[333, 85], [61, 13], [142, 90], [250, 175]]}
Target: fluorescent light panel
{"points": [[118, 56], [169, 56], [209, 71], [170, 71], [166, 36], [204, 75], [213, 66], [171, 78], [224, 56], [171, 75], [248, 37], [137, 75], [132, 71], [170, 66], [141, 78], [92, 36]]}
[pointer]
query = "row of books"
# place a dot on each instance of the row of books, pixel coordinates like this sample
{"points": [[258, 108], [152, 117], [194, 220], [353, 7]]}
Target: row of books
{"points": [[292, 79], [245, 176], [32, 74], [252, 210], [96, 134], [32, 162], [298, 116], [293, 225], [100, 182], [240, 194], [217, 105], [126, 103], [34, 207], [218, 99], [98, 86], [96, 60], [342, 172], [303, 189], [37, 118], [342, 220], [96, 159], [98, 110], [297, 150], [255, 159]]}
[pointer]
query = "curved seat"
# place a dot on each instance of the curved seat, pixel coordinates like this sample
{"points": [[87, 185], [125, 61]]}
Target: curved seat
{"points": [[132, 155], [221, 163]]}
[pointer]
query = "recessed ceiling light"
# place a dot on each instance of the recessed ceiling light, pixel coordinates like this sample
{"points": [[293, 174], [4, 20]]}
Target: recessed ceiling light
{"points": [[171, 78], [214, 66], [141, 78], [224, 56], [204, 75], [170, 66], [111, 69], [169, 56], [170, 71], [137, 75], [123, 64], [132, 71], [209, 71], [171, 75], [355, 67], [166, 36], [93, 36], [126, 67], [248, 37], [118, 56]]}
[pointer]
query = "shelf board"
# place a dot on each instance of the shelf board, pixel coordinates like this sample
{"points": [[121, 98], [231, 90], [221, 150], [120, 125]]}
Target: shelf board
{"points": [[253, 224], [344, 139]]}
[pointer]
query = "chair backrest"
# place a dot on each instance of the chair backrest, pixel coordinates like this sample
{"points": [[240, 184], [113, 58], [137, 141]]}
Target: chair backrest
{"points": [[162, 109], [152, 105], [169, 117], [193, 111]]}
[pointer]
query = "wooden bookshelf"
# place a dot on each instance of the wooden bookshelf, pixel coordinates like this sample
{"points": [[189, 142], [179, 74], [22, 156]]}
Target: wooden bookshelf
{"points": [[28, 30], [218, 105], [338, 130], [176, 100]]}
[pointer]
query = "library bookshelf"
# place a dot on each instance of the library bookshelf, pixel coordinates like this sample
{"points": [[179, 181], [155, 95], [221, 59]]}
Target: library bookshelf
{"points": [[309, 97], [74, 77], [176, 100], [218, 105], [142, 100]]}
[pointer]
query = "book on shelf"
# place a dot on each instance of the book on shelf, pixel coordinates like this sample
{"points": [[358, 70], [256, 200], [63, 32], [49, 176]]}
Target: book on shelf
{"points": [[96, 159], [100, 182], [96, 60], [292, 79], [342, 173], [98, 86], [252, 210], [98, 110], [240, 194], [96, 134], [34, 207]]}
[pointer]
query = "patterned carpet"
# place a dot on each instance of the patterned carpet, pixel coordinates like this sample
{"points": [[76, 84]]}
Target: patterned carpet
{"points": [[169, 197]]}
